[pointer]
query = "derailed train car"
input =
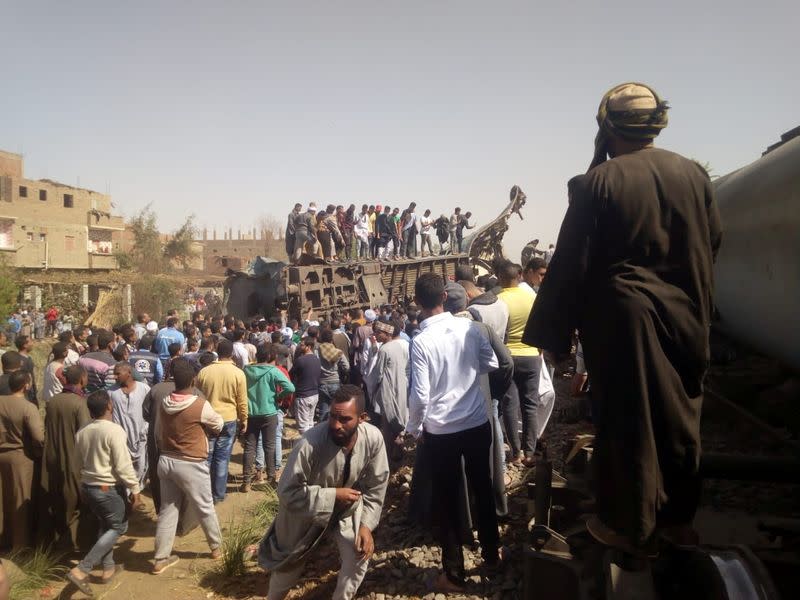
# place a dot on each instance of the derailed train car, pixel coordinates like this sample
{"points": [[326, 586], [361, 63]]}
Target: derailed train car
{"points": [[271, 285], [757, 275]]}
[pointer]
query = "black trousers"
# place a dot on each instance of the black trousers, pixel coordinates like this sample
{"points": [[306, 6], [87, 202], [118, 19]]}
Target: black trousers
{"points": [[268, 426], [373, 246], [523, 395], [324, 238], [446, 453]]}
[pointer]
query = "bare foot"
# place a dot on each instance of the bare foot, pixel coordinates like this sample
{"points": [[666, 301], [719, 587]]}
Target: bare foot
{"points": [[251, 551]]}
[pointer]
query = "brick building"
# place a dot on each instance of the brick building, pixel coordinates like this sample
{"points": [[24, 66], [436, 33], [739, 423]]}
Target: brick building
{"points": [[236, 253], [49, 225]]}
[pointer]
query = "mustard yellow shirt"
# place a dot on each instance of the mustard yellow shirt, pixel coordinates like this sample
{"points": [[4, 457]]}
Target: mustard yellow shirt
{"points": [[520, 302], [225, 387]]}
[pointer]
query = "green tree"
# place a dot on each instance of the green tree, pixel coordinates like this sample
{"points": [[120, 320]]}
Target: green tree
{"points": [[155, 295], [149, 254], [179, 248], [9, 290]]}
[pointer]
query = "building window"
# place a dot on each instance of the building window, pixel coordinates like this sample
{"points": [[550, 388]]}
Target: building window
{"points": [[6, 234], [69, 243], [100, 241], [42, 237], [68, 202], [99, 247], [42, 195], [29, 236], [23, 191]]}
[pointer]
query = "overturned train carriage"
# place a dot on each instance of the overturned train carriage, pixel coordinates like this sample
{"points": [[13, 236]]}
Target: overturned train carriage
{"points": [[271, 285], [323, 288], [757, 275]]}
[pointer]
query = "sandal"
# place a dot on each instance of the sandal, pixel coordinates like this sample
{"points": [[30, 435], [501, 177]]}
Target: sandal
{"points": [[117, 570], [81, 584]]}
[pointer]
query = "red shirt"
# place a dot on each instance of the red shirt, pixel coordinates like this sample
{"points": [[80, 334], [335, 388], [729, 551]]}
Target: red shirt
{"points": [[285, 401]]}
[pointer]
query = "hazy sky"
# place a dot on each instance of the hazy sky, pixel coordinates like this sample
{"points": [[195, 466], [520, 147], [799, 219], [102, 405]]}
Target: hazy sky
{"points": [[234, 110]]}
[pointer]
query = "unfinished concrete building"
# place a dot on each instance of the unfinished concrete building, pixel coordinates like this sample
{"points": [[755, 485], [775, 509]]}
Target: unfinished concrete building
{"points": [[49, 225]]}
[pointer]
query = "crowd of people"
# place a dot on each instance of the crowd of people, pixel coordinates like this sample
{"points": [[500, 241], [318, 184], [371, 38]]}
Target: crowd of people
{"points": [[376, 232], [459, 374], [144, 406], [39, 324]]}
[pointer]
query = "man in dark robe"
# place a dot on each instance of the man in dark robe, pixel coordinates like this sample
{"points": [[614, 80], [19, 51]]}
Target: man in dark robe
{"points": [[632, 271], [67, 412], [21, 443]]}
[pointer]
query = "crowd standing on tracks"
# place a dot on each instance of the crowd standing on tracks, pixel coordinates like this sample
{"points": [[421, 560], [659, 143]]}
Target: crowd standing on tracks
{"points": [[460, 372], [375, 233]]}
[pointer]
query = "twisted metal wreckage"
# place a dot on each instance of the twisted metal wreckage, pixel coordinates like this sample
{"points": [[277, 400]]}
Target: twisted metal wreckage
{"points": [[271, 284]]}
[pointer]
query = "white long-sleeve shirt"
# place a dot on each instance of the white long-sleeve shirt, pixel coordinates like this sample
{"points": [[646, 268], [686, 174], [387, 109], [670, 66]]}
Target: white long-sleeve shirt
{"points": [[102, 449], [448, 356]]}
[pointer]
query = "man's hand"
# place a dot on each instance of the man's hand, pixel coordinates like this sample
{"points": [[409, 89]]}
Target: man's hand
{"points": [[579, 383], [365, 545], [347, 495], [242, 427], [135, 500]]}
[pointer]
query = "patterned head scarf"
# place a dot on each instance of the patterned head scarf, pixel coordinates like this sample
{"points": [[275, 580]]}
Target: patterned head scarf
{"points": [[632, 111]]}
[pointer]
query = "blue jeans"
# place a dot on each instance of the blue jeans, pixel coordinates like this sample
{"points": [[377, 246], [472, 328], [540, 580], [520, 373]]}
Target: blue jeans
{"points": [[279, 441], [219, 457], [259, 453], [326, 392], [109, 508]]}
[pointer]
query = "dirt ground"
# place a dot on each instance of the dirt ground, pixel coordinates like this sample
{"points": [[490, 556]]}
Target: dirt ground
{"points": [[195, 577]]}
